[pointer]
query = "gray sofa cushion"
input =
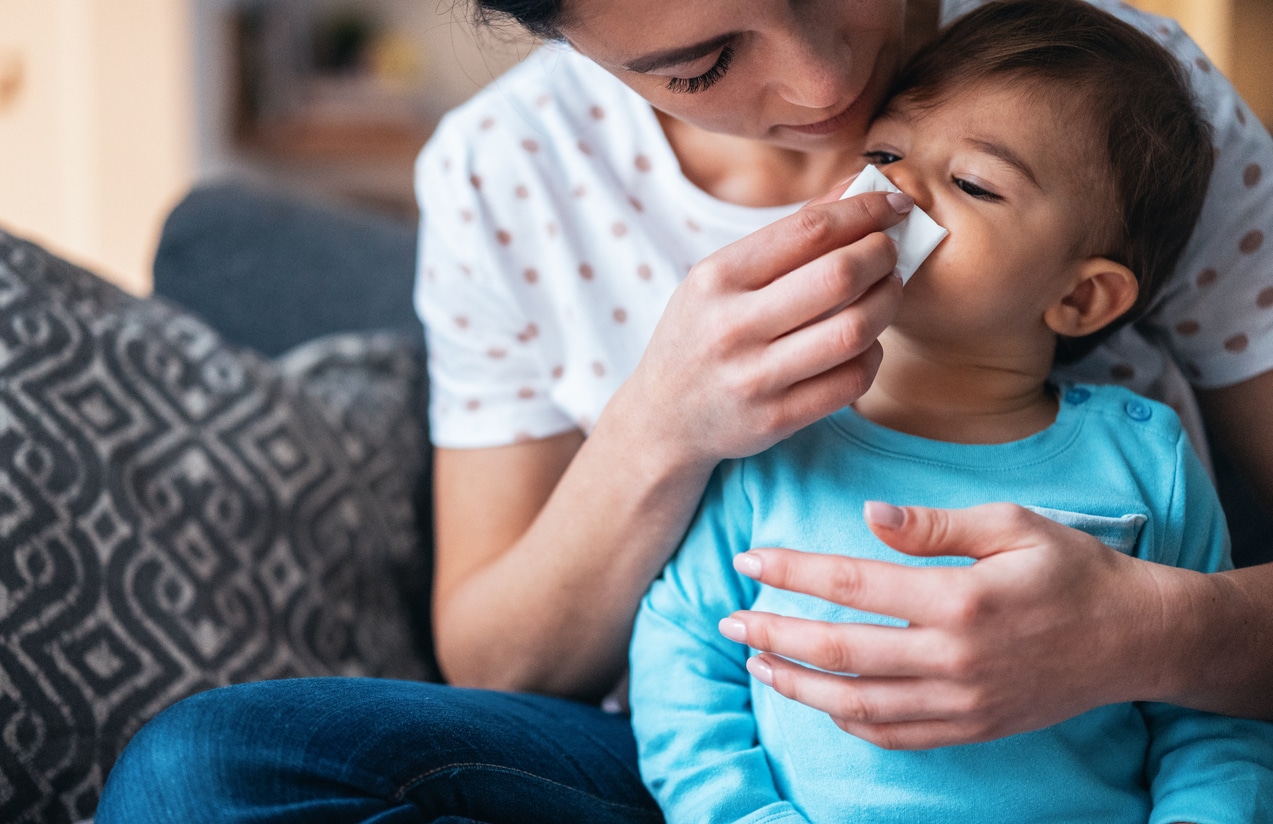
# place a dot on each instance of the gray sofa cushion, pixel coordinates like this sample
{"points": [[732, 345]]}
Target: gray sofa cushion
{"points": [[271, 270], [177, 514]]}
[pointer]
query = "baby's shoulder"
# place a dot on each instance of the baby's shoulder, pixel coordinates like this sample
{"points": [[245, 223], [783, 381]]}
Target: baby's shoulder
{"points": [[1122, 413]]}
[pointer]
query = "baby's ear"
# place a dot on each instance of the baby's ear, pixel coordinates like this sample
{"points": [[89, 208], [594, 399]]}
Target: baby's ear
{"points": [[1103, 290]]}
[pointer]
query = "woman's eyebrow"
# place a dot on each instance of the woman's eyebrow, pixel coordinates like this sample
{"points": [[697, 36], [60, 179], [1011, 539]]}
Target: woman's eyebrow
{"points": [[677, 56]]}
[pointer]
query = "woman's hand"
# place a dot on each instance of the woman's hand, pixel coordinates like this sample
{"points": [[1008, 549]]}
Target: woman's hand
{"points": [[1048, 623], [769, 334]]}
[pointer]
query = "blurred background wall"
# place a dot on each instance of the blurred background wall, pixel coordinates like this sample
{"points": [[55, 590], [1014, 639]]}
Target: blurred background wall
{"points": [[111, 109]]}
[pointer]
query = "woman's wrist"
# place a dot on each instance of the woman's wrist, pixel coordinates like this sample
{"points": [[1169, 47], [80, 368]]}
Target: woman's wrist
{"points": [[1197, 639], [1214, 649]]}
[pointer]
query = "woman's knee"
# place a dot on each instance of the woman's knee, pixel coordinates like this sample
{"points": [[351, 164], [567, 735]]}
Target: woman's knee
{"points": [[169, 768]]}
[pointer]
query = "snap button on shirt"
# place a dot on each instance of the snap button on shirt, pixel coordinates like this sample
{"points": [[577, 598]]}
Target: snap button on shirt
{"points": [[1138, 410], [1077, 396]]}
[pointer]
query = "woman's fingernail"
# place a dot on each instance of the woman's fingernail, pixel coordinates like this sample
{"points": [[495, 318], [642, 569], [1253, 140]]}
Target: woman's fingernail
{"points": [[885, 515], [897, 276], [747, 564], [901, 202], [733, 629], [760, 670]]}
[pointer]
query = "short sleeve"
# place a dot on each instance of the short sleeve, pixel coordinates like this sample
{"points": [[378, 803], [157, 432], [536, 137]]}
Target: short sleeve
{"points": [[1216, 314], [490, 379]]}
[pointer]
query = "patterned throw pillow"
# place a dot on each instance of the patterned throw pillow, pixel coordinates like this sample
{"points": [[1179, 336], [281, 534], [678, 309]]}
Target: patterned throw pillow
{"points": [[177, 514]]}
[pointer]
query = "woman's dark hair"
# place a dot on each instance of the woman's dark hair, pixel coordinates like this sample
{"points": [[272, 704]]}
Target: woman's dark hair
{"points": [[1140, 108], [542, 18]]}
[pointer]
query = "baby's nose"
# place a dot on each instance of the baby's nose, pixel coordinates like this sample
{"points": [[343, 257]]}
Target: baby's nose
{"points": [[909, 181]]}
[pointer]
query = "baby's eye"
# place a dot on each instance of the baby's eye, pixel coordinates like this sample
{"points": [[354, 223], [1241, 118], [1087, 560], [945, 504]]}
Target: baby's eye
{"points": [[881, 157], [973, 190]]}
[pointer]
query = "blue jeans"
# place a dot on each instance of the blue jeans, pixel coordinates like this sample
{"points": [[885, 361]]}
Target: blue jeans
{"points": [[328, 750]]}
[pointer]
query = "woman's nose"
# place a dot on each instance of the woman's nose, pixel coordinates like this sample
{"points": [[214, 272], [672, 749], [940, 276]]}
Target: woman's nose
{"points": [[813, 76]]}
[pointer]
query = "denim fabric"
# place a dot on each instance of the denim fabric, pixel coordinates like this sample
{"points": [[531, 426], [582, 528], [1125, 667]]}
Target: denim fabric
{"points": [[327, 750]]}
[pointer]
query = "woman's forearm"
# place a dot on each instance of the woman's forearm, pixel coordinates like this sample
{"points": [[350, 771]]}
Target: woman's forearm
{"points": [[553, 613], [1216, 642]]}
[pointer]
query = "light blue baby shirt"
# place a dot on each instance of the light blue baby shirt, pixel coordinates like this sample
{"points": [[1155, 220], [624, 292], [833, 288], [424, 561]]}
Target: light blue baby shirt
{"points": [[715, 746]]}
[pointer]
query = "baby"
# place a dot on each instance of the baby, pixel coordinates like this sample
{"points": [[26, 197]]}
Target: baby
{"points": [[1061, 149]]}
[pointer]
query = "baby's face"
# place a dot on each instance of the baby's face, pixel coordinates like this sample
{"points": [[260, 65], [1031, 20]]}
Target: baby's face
{"points": [[1002, 170]]}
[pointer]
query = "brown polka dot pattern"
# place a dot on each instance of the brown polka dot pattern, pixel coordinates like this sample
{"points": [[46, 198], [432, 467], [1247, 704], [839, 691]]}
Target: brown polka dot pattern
{"points": [[496, 353], [584, 148], [529, 333], [461, 321], [503, 236], [543, 100], [586, 271], [1265, 299], [692, 225], [598, 369], [1122, 372], [1187, 327], [1207, 277], [1251, 175], [487, 124], [557, 372], [525, 393], [636, 204], [644, 272], [1203, 65], [531, 276], [1241, 115], [597, 113], [530, 145], [1193, 370], [552, 229], [1236, 344], [475, 181], [580, 191], [643, 163], [521, 192], [620, 316], [466, 215], [473, 404], [1251, 242], [619, 228]]}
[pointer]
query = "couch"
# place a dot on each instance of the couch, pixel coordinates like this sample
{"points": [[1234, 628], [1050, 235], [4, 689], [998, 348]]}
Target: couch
{"points": [[221, 483]]}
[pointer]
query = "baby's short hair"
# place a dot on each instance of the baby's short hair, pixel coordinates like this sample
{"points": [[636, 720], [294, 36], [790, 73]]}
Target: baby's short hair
{"points": [[1139, 106]]}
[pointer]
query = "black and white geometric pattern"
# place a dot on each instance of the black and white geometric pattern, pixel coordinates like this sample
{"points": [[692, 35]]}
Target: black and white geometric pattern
{"points": [[177, 514]]}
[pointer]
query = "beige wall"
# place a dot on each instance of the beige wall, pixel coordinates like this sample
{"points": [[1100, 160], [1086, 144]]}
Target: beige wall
{"points": [[96, 126], [1209, 22]]}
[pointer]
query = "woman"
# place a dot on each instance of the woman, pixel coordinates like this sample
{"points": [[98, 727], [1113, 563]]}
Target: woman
{"points": [[561, 213]]}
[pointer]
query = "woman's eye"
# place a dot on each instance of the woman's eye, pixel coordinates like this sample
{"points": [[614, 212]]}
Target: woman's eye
{"points": [[690, 85], [881, 157], [973, 190]]}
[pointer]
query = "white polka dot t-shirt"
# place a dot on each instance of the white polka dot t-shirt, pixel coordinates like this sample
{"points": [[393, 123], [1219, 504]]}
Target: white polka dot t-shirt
{"points": [[556, 223]]}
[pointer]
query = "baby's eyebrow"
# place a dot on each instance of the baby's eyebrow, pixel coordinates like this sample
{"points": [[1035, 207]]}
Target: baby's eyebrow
{"points": [[677, 56], [1002, 152]]}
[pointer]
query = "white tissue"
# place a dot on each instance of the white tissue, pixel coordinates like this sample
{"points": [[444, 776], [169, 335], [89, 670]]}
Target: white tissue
{"points": [[916, 236]]}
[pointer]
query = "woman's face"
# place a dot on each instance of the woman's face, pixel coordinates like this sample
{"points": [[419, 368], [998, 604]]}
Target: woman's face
{"points": [[799, 74]]}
